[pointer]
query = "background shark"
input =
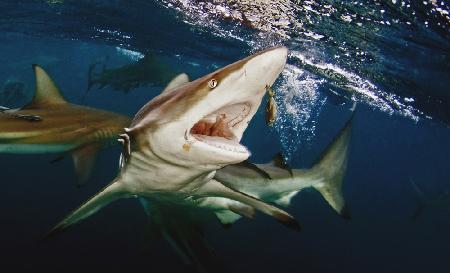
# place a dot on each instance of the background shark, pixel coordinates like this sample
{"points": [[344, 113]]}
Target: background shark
{"points": [[148, 70], [58, 127], [275, 182]]}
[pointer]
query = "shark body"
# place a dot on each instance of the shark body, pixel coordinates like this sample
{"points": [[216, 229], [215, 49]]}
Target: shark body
{"points": [[178, 140], [146, 71], [275, 182], [182, 158], [58, 127]]}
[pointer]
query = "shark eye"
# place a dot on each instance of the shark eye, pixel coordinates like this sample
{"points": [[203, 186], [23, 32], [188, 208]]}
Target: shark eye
{"points": [[212, 83]]}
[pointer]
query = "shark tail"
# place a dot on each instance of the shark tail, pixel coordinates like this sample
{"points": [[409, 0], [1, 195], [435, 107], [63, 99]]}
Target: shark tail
{"points": [[92, 75], [331, 167], [183, 232], [92, 79], [109, 194], [421, 200]]}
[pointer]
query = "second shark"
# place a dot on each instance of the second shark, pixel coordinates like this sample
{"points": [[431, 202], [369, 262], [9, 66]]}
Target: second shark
{"points": [[50, 124]]}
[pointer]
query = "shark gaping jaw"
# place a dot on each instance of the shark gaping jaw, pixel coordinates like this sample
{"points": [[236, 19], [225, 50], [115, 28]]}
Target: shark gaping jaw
{"points": [[202, 122]]}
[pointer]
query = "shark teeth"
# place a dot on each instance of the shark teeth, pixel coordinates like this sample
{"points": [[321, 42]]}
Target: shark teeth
{"points": [[222, 143]]}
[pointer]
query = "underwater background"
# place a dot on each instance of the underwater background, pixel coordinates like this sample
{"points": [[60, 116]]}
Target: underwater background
{"points": [[390, 57]]}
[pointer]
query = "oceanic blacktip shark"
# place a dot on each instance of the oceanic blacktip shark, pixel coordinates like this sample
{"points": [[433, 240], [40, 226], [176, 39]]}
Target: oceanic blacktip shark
{"points": [[146, 71], [271, 182], [178, 140], [277, 183], [50, 124]]}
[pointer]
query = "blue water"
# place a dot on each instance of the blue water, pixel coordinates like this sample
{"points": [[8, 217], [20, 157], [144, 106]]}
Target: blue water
{"points": [[400, 133]]}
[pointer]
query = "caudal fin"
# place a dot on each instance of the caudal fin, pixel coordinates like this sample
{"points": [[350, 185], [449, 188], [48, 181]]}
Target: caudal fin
{"points": [[109, 194], [421, 200], [181, 228], [92, 79], [331, 167]]}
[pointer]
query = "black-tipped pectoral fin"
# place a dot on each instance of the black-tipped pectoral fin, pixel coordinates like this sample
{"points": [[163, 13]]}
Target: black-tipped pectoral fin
{"points": [[110, 193], [84, 160], [215, 188]]}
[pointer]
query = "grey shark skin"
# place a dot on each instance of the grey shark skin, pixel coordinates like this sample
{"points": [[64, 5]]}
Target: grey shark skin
{"points": [[275, 183], [178, 140], [50, 124]]}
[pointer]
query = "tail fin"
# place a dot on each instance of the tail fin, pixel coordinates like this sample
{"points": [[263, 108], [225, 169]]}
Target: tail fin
{"points": [[92, 75], [109, 194], [421, 200], [331, 166], [182, 230], [92, 79]]}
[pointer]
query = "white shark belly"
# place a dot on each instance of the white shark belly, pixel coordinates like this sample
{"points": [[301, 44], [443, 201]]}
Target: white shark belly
{"points": [[35, 148]]}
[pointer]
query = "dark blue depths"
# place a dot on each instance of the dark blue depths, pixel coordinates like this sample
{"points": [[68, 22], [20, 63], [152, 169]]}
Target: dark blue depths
{"points": [[387, 152]]}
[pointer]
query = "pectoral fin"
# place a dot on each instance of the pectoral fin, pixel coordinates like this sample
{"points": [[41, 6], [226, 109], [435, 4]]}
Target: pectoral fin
{"points": [[84, 160], [215, 188], [242, 210], [110, 193]]}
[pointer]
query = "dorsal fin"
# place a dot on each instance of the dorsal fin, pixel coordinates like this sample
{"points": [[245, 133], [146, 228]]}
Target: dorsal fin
{"points": [[248, 164], [47, 93], [278, 161], [179, 80]]}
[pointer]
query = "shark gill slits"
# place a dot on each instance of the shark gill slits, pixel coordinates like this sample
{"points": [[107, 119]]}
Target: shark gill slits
{"points": [[271, 107], [31, 118], [212, 83]]}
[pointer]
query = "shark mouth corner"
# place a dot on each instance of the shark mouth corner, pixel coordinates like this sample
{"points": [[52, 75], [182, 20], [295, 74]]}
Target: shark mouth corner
{"points": [[223, 128]]}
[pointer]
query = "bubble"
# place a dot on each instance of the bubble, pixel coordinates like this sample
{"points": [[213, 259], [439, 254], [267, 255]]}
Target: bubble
{"points": [[299, 105]]}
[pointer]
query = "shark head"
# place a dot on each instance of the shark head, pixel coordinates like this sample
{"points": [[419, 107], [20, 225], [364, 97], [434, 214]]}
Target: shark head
{"points": [[202, 122]]}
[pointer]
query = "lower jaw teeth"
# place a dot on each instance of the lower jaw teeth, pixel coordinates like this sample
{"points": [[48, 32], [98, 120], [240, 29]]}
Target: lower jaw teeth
{"points": [[222, 145]]}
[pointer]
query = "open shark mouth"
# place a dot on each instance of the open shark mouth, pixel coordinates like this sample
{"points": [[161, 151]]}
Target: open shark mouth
{"points": [[219, 129]]}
